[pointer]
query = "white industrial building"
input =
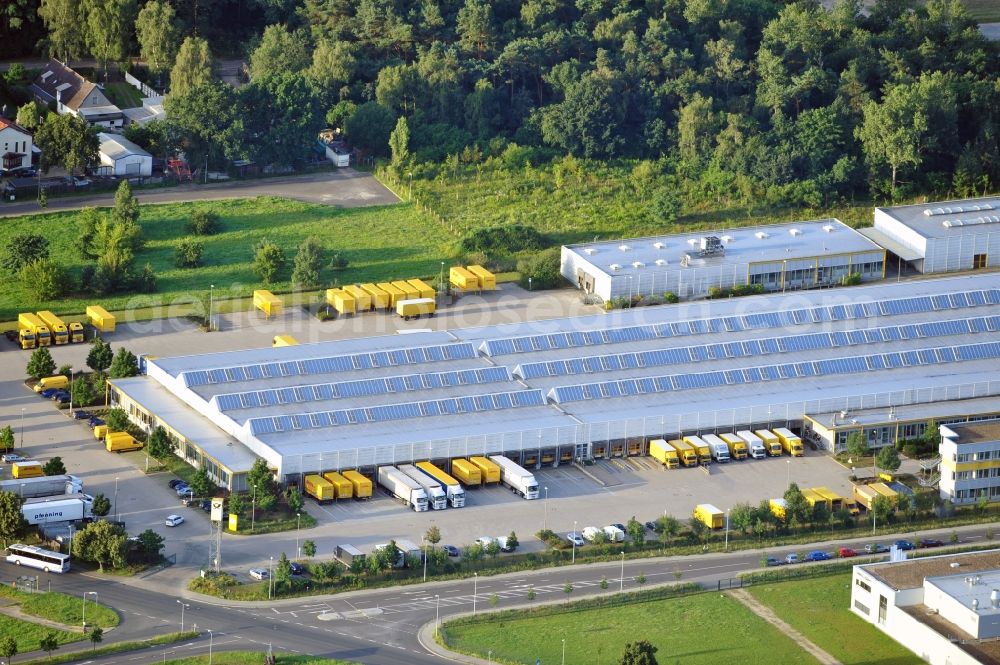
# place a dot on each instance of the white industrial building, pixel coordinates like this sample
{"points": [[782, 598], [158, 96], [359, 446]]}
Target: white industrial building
{"points": [[970, 462], [779, 257], [946, 236], [946, 609], [121, 157], [574, 388]]}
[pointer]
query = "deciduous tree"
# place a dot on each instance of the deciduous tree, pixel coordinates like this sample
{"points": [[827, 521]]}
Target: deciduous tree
{"points": [[31, 115], [279, 51], [887, 459], [7, 438], [101, 506], [12, 522], [156, 29], [268, 260], [101, 542], [159, 444], [67, 141], [45, 279], [308, 263], [639, 653], [22, 249], [124, 364], [108, 29], [192, 67], [64, 22]]}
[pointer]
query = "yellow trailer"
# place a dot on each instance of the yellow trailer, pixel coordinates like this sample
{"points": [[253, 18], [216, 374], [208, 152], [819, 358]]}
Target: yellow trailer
{"points": [[75, 332], [711, 516], [362, 299], [342, 486], [425, 290], [489, 469], [319, 488], [462, 279], [283, 340], [737, 446], [27, 469], [415, 308], [779, 508], [865, 495], [31, 322], [362, 486], [686, 453], [380, 299], [813, 497], [487, 280], [267, 302], [60, 334], [408, 290], [57, 381], [833, 500], [341, 301], [771, 442], [120, 442], [100, 319], [887, 492], [664, 452], [467, 473], [395, 295]]}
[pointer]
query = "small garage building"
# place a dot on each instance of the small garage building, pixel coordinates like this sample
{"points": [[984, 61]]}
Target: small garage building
{"points": [[121, 157]]}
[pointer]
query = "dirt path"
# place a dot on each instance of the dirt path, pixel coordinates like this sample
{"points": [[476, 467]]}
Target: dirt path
{"points": [[765, 613]]}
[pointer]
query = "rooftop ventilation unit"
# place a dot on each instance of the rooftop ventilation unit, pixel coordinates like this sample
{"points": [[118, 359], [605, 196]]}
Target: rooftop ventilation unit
{"points": [[658, 245], [693, 241], [661, 262], [615, 267], [995, 598], [975, 604], [975, 221], [624, 248], [638, 264], [828, 228], [686, 261], [589, 251], [795, 232], [761, 235], [711, 246], [954, 210], [728, 239]]}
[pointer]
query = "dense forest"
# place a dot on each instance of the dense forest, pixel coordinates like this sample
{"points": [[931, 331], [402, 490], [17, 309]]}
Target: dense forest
{"points": [[804, 103]]}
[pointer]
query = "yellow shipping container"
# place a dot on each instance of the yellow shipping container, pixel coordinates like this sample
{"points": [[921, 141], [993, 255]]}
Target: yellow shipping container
{"points": [[60, 335], [467, 473], [462, 279], [267, 302], [395, 295], [711, 516], [422, 288], [489, 469], [100, 319], [362, 299], [362, 485], [319, 488], [487, 280], [415, 308], [341, 301], [407, 289], [342, 486], [380, 299], [27, 469], [283, 340]]}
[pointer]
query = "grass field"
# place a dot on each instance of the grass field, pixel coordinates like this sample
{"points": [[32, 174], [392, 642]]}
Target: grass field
{"points": [[59, 607], [255, 658], [381, 243], [123, 95], [984, 11], [598, 636], [28, 634], [818, 608]]}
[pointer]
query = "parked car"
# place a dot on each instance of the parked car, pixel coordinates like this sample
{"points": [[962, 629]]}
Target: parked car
{"points": [[818, 555], [904, 545], [175, 482], [48, 393], [774, 561], [930, 542], [206, 505], [258, 573], [174, 520], [619, 525], [846, 552], [61, 396], [651, 526], [792, 558], [9, 458], [82, 415], [95, 421], [296, 568], [183, 490], [877, 548], [486, 541], [575, 538], [451, 550]]}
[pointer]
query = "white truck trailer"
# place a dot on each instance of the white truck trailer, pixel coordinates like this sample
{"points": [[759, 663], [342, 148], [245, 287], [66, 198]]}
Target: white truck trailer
{"points": [[456, 495], [436, 496], [754, 443], [30, 488], [720, 451], [403, 487], [516, 477], [69, 508]]}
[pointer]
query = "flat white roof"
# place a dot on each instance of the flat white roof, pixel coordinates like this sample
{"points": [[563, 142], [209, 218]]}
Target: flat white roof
{"points": [[770, 243], [947, 219]]}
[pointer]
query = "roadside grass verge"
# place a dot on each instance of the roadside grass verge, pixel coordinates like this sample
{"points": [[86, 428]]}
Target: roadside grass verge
{"points": [[117, 647], [819, 609], [28, 635], [599, 634], [984, 11], [61, 608], [255, 658]]}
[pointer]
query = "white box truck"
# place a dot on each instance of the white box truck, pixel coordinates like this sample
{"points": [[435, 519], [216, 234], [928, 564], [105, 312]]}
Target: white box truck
{"points": [[614, 534], [69, 508], [436, 496], [590, 533], [516, 477], [409, 550], [720, 451], [403, 487], [754, 443], [29, 488]]}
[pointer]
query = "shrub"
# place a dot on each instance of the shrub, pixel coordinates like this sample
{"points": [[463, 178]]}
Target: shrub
{"points": [[542, 268], [188, 253], [508, 239], [203, 223]]}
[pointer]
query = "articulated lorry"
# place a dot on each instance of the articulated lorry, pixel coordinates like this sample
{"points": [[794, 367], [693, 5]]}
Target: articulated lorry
{"points": [[60, 333], [737, 446], [456, 495], [30, 488], [754, 443], [403, 487], [45, 510], [437, 498], [771, 442], [516, 477], [31, 327], [791, 443], [720, 451], [663, 452]]}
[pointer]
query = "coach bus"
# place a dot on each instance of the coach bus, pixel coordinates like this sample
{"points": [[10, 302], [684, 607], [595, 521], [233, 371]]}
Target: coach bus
{"points": [[36, 557]]}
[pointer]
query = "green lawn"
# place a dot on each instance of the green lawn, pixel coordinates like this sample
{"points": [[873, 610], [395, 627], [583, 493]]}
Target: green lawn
{"points": [[123, 95], [60, 607], [818, 608], [255, 658], [984, 11], [718, 629], [381, 243], [28, 634]]}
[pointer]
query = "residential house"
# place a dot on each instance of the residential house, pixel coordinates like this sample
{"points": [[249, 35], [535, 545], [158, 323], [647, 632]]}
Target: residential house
{"points": [[77, 96], [16, 145]]}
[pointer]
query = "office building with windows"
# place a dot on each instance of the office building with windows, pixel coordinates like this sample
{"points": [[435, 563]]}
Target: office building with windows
{"points": [[970, 462]]}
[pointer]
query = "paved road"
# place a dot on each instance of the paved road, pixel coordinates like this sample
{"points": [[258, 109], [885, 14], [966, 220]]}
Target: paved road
{"points": [[380, 627], [344, 188], [991, 31]]}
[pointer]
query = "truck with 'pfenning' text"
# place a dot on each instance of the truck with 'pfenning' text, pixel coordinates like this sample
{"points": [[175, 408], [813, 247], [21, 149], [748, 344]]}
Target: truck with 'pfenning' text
{"points": [[516, 477]]}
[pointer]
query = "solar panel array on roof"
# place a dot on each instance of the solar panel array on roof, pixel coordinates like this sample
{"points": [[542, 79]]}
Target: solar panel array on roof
{"points": [[761, 321], [754, 347], [361, 388], [330, 365], [391, 412], [751, 375]]}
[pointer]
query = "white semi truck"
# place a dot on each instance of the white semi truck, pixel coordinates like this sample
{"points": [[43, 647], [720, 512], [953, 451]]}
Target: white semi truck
{"points": [[456, 495], [403, 487], [516, 477], [29, 488], [436, 496], [46, 510]]}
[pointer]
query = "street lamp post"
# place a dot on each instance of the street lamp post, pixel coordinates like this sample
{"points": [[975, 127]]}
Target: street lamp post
{"points": [[475, 591], [22, 427], [298, 519], [727, 529], [575, 536], [83, 610], [72, 374], [425, 559], [183, 607], [211, 302], [270, 578], [116, 501], [253, 508], [529, 283], [564, 651], [621, 580], [437, 613], [410, 176], [441, 278], [545, 508], [211, 639]]}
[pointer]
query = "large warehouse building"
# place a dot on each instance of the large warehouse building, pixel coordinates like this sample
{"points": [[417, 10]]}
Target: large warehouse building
{"points": [[594, 386], [945, 236], [779, 257]]}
